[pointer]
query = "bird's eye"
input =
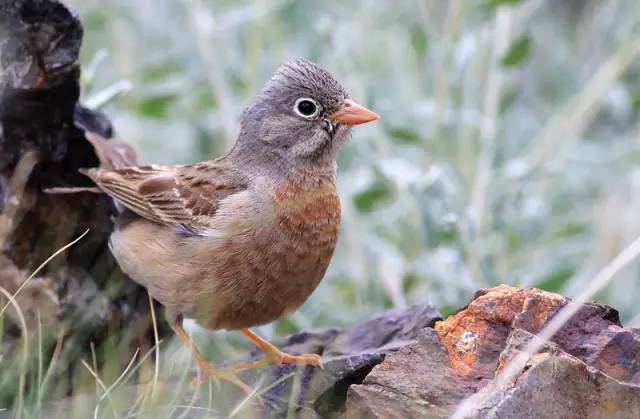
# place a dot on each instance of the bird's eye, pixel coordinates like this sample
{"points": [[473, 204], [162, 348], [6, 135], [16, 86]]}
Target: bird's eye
{"points": [[306, 107]]}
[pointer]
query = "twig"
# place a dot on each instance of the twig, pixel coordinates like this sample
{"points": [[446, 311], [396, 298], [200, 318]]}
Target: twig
{"points": [[572, 119], [156, 371], [247, 399], [115, 383], [42, 265], [54, 358], [25, 352], [202, 23], [441, 81], [488, 127], [19, 179], [100, 384]]}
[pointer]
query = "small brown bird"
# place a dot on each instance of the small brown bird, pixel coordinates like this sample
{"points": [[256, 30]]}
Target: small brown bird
{"points": [[245, 239]]}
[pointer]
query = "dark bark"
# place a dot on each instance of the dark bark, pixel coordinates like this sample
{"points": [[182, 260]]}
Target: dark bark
{"points": [[81, 294]]}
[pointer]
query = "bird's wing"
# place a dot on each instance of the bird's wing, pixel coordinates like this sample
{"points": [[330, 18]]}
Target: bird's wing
{"points": [[186, 196]]}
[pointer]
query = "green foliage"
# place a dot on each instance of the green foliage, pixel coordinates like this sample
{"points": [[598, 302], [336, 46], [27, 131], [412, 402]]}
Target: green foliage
{"points": [[557, 279], [155, 106], [517, 53], [496, 3], [558, 156], [404, 135], [374, 195], [419, 40]]}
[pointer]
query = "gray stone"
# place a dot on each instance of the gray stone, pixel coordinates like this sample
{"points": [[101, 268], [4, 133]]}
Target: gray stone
{"points": [[349, 357], [555, 384], [588, 370]]}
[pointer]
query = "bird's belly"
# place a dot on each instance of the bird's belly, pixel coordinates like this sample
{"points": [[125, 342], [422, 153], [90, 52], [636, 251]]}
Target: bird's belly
{"points": [[256, 293], [258, 267], [272, 270]]}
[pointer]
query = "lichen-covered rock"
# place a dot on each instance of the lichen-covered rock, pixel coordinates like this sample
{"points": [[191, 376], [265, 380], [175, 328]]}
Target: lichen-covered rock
{"points": [[475, 336], [589, 370], [417, 381]]}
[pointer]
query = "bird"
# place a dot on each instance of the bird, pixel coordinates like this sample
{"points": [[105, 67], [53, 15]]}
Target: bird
{"points": [[242, 240]]}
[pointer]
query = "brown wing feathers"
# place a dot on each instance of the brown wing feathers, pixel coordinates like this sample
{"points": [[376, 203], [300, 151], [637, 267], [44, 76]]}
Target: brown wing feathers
{"points": [[123, 185], [170, 195]]}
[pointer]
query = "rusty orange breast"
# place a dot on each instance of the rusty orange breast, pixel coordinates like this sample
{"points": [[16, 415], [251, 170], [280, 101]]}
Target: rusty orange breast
{"points": [[311, 214]]}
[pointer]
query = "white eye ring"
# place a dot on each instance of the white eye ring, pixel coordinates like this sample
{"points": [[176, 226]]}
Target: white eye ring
{"points": [[316, 110]]}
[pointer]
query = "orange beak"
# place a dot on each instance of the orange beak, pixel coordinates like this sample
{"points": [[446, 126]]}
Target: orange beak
{"points": [[352, 113]]}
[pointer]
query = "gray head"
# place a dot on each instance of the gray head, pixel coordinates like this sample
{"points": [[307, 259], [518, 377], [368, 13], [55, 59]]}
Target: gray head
{"points": [[301, 117]]}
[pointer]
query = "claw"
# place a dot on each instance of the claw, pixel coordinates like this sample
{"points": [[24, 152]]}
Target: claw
{"points": [[279, 358], [207, 373], [275, 356], [305, 359]]}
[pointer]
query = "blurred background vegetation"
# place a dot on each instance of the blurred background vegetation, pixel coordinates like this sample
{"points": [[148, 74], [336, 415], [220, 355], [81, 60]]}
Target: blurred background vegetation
{"points": [[508, 149]]}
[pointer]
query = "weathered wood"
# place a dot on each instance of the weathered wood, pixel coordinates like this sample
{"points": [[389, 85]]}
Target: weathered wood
{"points": [[81, 294]]}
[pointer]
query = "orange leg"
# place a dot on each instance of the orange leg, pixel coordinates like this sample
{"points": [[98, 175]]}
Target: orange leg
{"points": [[275, 355], [206, 370]]}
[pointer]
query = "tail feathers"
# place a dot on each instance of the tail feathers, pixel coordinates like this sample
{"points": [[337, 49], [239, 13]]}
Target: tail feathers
{"points": [[113, 153], [89, 172]]}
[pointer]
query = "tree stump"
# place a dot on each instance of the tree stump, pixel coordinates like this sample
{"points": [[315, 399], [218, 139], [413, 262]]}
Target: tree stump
{"points": [[81, 294]]}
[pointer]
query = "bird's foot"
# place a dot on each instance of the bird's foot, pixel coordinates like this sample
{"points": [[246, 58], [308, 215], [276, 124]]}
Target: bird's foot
{"points": [[279, 358], [208, 373], [273, 355]]}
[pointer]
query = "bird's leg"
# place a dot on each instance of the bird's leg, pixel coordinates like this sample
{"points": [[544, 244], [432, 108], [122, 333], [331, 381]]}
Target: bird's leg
{"points": [[275, 355], [206, 370]]}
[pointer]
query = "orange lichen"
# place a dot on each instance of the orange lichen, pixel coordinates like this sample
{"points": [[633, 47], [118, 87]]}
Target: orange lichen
{"points": [[481, 329]]}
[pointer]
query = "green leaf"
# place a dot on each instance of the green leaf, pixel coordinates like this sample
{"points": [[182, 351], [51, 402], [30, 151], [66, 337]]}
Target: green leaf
{"points": [[158, 72], [635, 100], [366, 200], [155, 106], [497, 3], [204, 96], [419, 39], [508, 98], [517, 53], [448, 310], [555, 281], [570, 230], [94, 21], [286, 326], [404, 135]]}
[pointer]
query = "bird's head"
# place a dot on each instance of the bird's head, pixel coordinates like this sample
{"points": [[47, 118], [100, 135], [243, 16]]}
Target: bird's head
{"points": [[303, 115]]}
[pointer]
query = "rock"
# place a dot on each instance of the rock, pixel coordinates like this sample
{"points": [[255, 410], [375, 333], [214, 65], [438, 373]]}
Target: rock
{"points": [[414, 382], [349, 357], [589, 370], [475, 336], [393, 326], [555, 384]]}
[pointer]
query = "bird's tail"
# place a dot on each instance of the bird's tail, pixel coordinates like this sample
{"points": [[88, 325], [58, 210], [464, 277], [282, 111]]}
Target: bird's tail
{"points": [[113, 154]]}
